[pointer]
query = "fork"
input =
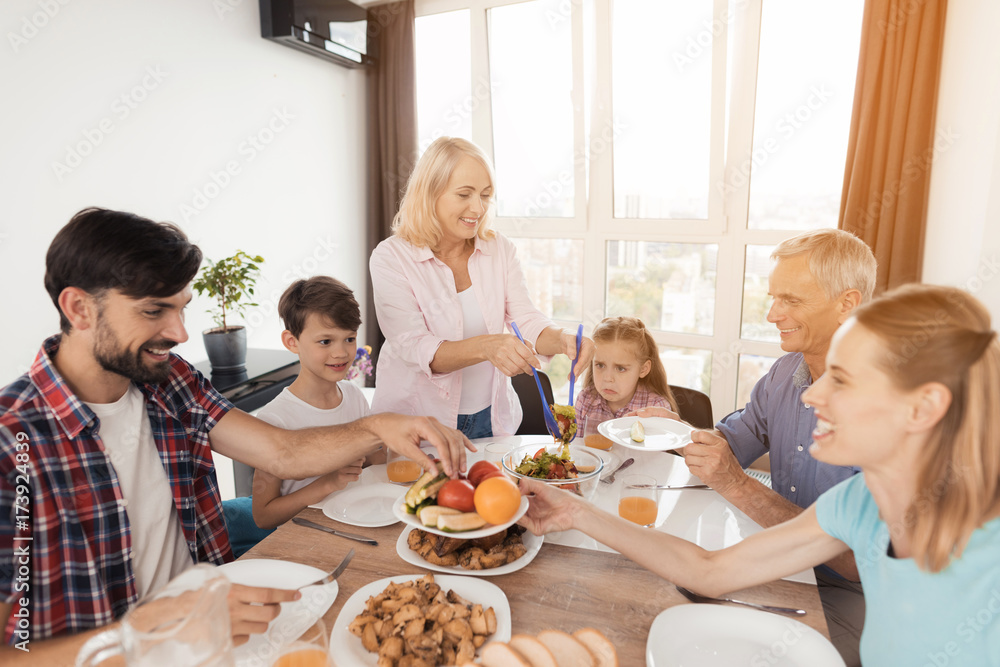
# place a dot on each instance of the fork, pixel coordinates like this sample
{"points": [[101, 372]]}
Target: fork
{"points": [[694, 597], [337, 571], [611, 478]]}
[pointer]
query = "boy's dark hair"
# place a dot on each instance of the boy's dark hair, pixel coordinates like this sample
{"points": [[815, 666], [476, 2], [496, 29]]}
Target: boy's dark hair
{"points": [[324, 296], [100, 249]]}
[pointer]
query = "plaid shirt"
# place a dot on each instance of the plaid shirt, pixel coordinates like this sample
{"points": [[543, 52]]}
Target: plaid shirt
{"points": [[65, 545], [590, 403]]}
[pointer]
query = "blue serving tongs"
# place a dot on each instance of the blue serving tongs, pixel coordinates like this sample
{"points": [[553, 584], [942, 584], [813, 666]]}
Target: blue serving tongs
{"points": [[572, 375], [550, 421]]}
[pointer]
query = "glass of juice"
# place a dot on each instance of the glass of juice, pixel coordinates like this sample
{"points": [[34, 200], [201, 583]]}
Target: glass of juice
{"points": [[312, 649], [591, 437], [401, 469], [638, 504]]}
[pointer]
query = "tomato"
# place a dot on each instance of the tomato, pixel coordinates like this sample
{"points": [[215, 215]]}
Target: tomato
{"points": [[497, 500], [480, 470], [557, 471], [539, 453], [457, 494]]}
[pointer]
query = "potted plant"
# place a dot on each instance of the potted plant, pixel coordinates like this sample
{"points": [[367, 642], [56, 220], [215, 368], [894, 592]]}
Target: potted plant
{"points": [[230, 282]]}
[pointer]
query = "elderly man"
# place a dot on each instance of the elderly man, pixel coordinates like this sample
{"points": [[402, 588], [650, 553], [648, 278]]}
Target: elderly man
{"points": [[818, 279], [107, 488]]}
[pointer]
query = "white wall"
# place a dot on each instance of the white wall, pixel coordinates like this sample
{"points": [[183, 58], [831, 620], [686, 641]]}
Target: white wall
{"points": [[298, 200], [963, 224]]}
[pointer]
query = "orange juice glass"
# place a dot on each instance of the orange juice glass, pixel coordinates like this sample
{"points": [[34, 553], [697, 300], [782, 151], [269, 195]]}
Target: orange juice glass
{"points": [[403, 471], [637, 504], [312, 649], [303, 657], [591, 436]]}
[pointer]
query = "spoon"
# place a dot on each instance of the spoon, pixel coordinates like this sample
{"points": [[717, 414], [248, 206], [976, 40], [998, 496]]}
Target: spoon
{"points": [[550, 421], [572, 375], [611, 478], [694, 597]]}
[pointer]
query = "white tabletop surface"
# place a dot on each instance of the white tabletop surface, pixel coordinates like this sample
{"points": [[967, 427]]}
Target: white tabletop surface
{"points": [[701, 516]]}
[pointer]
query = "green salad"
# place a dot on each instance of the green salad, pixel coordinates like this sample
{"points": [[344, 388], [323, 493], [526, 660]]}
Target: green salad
{"points": [[544, 465]]}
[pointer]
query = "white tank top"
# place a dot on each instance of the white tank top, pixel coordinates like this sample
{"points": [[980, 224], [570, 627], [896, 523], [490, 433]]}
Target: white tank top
{"points": [[477, 380]]}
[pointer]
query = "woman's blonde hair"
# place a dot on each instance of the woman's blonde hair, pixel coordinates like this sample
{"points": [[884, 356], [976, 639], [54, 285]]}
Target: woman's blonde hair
{"points": [[943, 334], [631, 330], [416, 221]]}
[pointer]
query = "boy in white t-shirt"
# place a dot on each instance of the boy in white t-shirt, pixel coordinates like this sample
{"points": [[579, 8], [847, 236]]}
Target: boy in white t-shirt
{"points": [[321, 320]]}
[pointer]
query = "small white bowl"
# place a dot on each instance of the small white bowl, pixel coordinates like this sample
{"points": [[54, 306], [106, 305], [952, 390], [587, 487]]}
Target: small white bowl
{"points": [[584, 485]]}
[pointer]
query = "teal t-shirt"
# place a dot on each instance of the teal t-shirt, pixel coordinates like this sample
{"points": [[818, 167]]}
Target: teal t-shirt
{"points": [[917, 618]]}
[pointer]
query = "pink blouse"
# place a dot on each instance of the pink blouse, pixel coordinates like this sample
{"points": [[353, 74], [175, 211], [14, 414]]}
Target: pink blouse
{"points": [[417, 305]]}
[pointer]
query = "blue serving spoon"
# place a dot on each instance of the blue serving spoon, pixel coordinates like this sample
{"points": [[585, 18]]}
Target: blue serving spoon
{"points": [[550, 421], [572, 375]]}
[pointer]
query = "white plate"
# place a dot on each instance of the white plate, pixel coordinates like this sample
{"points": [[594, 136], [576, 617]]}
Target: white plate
{"points": [[295, 617], [346, 649], [533, 543], [716, 636], [365, 505], [412, 520], [661, 433]]}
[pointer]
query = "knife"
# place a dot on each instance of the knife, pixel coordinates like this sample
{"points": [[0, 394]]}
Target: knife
{"points": [[351, 536]]}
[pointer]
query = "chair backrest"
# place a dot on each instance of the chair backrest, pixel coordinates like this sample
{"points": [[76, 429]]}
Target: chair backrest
{"points": [[693, 407], [533, 419]]}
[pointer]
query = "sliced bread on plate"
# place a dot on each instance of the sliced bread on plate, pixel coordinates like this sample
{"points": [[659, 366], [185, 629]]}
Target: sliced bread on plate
{"points": [[603, 650], [498, 654], [568, 651], [532, 650]]}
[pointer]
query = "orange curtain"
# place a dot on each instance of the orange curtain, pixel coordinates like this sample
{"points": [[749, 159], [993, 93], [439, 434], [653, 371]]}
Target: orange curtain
{"points": [[392, 129], [891, 145]]}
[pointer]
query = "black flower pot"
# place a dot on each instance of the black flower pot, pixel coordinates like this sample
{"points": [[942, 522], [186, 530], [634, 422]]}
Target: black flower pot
{"points": [[227, 349]]}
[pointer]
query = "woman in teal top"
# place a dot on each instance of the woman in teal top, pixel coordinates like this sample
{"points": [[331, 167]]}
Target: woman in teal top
{"points": [[909, 395]]}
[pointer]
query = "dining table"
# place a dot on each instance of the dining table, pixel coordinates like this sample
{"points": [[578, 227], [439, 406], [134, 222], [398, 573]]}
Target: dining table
{"points": [[573, 582]]}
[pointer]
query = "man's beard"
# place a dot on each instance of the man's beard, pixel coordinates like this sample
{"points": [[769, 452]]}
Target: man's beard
{"points": [[115, 358]]}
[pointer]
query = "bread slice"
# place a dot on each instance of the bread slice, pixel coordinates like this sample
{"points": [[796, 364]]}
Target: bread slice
{"points": [[567, 651], [533, 651], [498, 654], [603, 650]]}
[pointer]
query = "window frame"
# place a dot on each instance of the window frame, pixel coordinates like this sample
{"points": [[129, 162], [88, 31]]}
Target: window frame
{"points": [[731, 137]]}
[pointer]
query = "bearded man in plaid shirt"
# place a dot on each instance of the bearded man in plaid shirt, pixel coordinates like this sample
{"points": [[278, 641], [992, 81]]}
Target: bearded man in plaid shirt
{"points": [[107, 486]]}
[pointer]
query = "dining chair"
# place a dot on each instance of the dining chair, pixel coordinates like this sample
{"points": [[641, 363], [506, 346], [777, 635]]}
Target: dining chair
{"points": [[693, 406], [533, 419]]}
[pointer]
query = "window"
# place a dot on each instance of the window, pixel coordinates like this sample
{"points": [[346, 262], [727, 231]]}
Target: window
{"points": [[650, 155]]}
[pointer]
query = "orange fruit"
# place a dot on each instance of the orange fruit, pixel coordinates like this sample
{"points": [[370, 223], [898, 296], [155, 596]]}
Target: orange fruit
{"points": [[497, 500]]}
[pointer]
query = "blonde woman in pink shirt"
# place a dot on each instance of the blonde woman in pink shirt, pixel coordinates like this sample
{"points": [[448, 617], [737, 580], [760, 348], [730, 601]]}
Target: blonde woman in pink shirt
{"points": [[446, 288]]}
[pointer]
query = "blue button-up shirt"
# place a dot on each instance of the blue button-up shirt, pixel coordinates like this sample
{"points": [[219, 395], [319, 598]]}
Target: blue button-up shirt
{"points": [[775, 421]]}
